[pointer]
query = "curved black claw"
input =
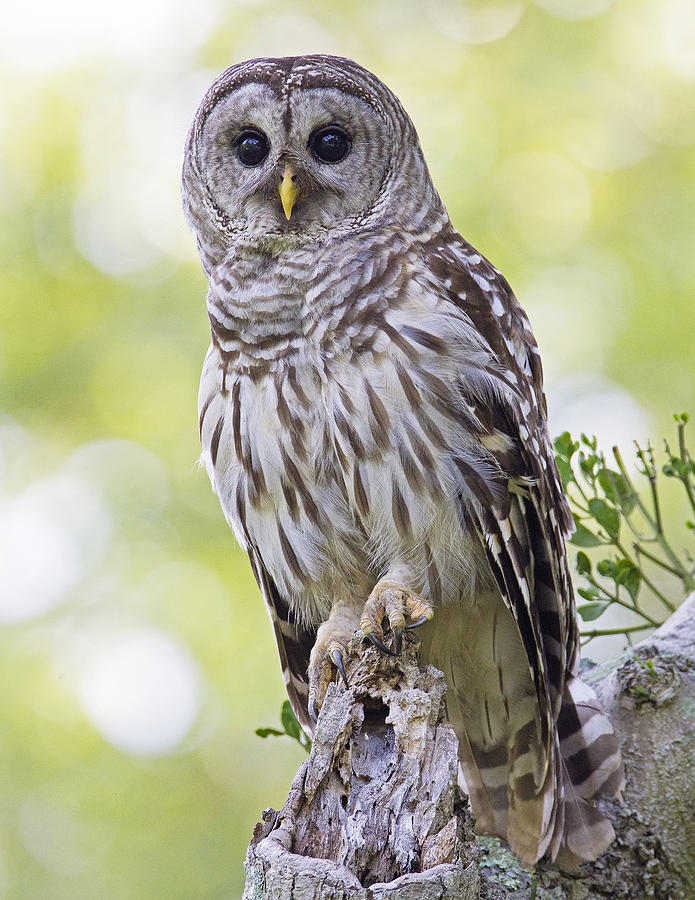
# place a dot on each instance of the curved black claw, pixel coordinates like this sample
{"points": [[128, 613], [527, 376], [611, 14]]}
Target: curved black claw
{"points": [[398, 639], [380, 644], [313, 712], [420, 621], [337, 658]]}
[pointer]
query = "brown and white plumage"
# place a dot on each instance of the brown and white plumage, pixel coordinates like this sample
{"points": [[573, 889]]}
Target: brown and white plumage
{"points": [[371, 408]]}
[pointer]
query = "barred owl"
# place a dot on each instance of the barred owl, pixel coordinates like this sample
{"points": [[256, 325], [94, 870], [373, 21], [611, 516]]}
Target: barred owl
{"points": [[373, 422]]}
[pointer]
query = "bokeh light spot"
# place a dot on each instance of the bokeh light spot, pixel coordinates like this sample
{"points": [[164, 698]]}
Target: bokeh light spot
{"points": [[142, 691], [589, 301], [132, 479], [51, 536], [678, 35], [105, 222], [613, 414], [605, 141], [42, 35], [477, 22]]}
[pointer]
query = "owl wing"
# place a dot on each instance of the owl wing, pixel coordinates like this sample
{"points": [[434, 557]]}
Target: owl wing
{"points": [[522, 522], [294, 642], [523, 525]]}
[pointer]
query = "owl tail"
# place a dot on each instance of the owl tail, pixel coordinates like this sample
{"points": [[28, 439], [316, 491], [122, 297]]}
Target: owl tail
{"points": [[590, 767], [557, 817]]}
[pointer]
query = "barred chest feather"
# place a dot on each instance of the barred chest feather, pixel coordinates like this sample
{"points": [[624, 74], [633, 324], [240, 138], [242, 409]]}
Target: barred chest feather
{"points": [[330, 421]]}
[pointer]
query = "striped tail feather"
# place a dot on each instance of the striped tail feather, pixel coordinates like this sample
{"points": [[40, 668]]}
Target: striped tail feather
{"points": [[512, 797], [555, 816], [591, 767], [509, 760], [538, 795]]}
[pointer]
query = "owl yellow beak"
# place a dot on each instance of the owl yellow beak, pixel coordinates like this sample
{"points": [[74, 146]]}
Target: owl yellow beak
{"points": [[289, 192]]}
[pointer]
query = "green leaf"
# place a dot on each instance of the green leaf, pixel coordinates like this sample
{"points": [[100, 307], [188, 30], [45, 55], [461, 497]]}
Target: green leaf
{"points": [[606, 516], [591, 442], [591, 611], [582, 537], [565, 470], [677, 468], [607, 567], [589, 593], [630, 577], [587, 464], [268, 732], [289, 721], [583, 564], [565, 446], [618, 489]]}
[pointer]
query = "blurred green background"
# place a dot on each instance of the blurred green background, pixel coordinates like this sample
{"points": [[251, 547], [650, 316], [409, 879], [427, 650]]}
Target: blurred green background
{"points": [[136, 659]]}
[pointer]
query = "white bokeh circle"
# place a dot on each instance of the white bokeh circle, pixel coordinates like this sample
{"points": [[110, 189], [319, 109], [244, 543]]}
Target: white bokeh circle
{"points": [[142, 691]]}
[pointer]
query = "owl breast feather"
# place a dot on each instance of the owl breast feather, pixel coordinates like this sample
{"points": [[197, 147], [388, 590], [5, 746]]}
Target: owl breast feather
{"points": [[339, 465]]}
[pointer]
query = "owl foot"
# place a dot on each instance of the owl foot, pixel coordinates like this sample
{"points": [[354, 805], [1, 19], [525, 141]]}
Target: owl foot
{"points": [[392, 601], [328, 655]]}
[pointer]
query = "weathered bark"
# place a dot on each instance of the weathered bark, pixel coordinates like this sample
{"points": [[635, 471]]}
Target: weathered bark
{"points": [[375, 812]]}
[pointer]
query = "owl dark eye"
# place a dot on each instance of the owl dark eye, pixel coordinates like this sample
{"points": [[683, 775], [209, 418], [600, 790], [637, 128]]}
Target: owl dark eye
{"points": [[330, 144], [252, 147]]}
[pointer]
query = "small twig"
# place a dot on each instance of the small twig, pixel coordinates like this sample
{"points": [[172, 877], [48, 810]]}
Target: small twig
{"points": [[604, 632], [640, 551], [685, 456], [623, 471], [615, 598], [647, 458]]}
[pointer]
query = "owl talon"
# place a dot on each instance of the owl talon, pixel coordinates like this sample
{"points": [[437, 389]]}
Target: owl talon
{"points": [[337, 658], [392, 601], [324, 664], [313, 712], [380, 644], [329, 653], [398, 639]]}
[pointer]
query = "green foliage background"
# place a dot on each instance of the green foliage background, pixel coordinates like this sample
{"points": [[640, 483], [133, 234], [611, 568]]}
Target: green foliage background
{"points": [[560, 134]]}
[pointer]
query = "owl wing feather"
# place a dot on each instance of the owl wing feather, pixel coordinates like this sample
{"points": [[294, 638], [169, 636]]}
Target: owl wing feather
{"points": [[294, 642], [525, 525], [522, 529]]}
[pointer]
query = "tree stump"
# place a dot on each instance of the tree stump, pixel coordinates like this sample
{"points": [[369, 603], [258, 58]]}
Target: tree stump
{"points": [[376, 810]]}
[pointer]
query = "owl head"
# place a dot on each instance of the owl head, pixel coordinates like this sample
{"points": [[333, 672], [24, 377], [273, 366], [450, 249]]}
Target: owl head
{"points": [[300, 149]]}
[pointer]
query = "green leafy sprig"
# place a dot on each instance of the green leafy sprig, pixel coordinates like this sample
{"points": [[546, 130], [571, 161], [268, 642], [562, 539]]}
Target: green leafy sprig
{"points": [[290, 728], [610, 513]]}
